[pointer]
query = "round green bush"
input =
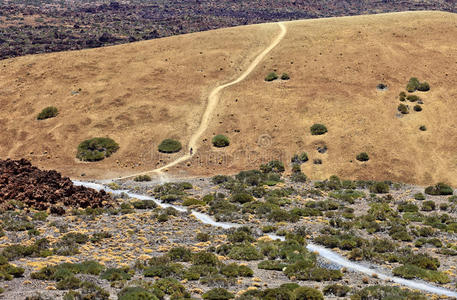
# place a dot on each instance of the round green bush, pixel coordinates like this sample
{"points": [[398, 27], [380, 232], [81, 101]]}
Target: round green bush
{"points": [[170, 146], [380, 188], [439, 189], [422, 128], [423, 87], [318, 129], [135, 293], [96, 149], [362, 156], [412, 85], [413, 98], [417, 107], [285, 76], [242, 198], [271, 76], [47, 112], [218, 294], [307, 293], [404, 109], [221, 141]]}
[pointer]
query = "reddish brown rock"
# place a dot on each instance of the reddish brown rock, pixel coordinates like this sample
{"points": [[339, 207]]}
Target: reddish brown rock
{"points": [[40, 189]]}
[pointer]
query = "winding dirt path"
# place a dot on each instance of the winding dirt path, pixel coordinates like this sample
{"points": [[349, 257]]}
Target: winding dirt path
{"points": [[213, 100]]}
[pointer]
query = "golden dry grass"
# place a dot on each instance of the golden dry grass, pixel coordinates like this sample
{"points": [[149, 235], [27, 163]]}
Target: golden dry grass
{"points": [[138, 94], [143, 92]]}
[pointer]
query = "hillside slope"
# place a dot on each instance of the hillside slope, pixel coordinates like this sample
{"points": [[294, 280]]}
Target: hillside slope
{"points": [[143, 92]]}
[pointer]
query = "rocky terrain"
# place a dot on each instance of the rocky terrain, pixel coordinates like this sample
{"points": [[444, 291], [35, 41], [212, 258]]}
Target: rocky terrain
{"points": [[30, 27], [134, 247], [20, 182]]}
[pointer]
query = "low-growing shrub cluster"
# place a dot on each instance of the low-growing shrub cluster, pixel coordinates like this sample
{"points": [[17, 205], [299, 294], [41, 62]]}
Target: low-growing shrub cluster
{"points": [[96, 149], [170, 146], [48, 112]]}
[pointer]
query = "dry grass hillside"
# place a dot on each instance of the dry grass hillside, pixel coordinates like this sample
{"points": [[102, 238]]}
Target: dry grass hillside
{"points": [[140, 93]]}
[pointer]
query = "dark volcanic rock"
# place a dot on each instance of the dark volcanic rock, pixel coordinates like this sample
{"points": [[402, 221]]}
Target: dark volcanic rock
{"points": [[21, 181]]}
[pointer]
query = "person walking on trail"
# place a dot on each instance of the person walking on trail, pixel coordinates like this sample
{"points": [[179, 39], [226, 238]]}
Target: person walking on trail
{"points": [[191, 150]]}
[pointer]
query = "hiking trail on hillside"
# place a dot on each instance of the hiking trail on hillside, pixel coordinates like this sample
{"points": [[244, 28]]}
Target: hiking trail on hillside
{"points": [[213, 100]]}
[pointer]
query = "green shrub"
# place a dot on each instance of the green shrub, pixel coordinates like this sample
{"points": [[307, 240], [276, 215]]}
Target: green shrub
{"points": [[417, 107], [115, 274], [410, 271], [428, 205], [407, 207], [275, 166], [423, 87], [362, 156], [307, 293], [96, 149], [170, 146], [379, 292], [244, 251], [135, 293], [379, 188], [141, 178], [318, 129], [164, 270], [169, 286], [402, 96], [48, 112], [180, 254], [439, 189], [220, 141], [423, 128], [68, 283], [298, 177], [271, 76], [419, 196], [144, 204], [271, 265], [413, 98], [336, 290], [300, 158], [218, 294], [240, 234], [218, 179], [205, 258], [285, 76], [412, 85], [235, 270], [202, 237], [40, 216], [193, 202], [241, 198], [404, 109]]}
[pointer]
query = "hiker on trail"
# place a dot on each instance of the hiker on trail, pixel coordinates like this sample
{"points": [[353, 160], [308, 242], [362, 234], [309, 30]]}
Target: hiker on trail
{"points": [[191, 151]]}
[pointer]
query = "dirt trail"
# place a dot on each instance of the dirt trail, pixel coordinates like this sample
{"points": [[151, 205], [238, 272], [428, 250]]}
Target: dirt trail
{"points": [[213, 100]]}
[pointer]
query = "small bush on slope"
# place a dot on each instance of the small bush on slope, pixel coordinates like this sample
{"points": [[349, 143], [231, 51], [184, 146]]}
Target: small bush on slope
{"points": [[170, 146], [96, 149], [220, 141], [48, 112], [318, 129]]}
